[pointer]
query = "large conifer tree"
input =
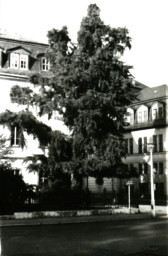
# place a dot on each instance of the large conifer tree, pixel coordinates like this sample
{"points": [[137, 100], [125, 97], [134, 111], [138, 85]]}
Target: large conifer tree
{"points": [[91, 88]]}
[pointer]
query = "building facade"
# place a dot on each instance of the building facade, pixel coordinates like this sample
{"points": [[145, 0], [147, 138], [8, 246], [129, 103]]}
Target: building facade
{"points": [[147, 122], [19, 59]]}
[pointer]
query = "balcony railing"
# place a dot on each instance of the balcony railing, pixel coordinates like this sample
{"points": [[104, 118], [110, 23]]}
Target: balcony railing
{"points": [[149, 123]]}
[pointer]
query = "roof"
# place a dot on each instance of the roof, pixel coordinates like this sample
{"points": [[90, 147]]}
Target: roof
{"points": [[15, 36], [34, 47], [17, 48], [140, 85], [153, 93]]}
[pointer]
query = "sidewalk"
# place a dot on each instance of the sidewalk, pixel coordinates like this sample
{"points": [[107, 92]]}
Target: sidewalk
{"points": [[68, 220]]}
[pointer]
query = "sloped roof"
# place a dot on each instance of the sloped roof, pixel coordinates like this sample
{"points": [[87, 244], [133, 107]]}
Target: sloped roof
{"points": [[17, 48], [140, 85], [153, 93], [34, 48]]}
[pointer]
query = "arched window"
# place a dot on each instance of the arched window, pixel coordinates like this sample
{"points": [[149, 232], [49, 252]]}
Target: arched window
{"points": [[142, 114], [157, 111], [130, 116]]}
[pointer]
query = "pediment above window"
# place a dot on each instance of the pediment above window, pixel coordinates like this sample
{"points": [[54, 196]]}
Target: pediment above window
{"points": [[156, 104], [162, 102], [135, 107], [142, 107], [19, 50], [129, 111], [39, 55], [159, 102]]}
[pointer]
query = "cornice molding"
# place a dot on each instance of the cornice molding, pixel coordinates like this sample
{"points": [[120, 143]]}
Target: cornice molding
{"points": [[149, 101], [15, 77], [23, 41]]}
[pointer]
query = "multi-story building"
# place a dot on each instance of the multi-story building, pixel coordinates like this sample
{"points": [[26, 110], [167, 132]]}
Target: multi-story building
{"points": [[148, 123], [19, 59], [147, 120]]}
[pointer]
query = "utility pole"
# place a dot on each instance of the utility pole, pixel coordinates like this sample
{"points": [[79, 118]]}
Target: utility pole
{"points": [[150, 147]]}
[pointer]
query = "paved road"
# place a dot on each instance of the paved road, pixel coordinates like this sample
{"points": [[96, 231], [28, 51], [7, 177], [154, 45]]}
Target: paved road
{"points": [[122, 237]]}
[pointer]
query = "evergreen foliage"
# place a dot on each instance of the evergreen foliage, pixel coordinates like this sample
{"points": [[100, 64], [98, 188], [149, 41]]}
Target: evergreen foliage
{"points": [[25, 121], [91, 88], [5, 149], [92, 91]]}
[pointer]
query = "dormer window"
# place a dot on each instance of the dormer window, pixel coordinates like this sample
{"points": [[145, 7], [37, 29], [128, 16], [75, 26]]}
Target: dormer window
{"points": [[129, 118], [154, 114], [157, 111], [14, 60], [160, 112], [45, 64], [18, 61], [19, 58], [23, 61], [142, 114]]}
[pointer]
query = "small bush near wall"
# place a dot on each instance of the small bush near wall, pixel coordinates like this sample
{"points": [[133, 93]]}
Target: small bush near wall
{"points": [[12, 188], [99, 180]]}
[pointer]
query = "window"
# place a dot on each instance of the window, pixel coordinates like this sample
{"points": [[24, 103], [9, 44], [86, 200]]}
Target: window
{"points": [[131, 166], [155, 143], [23, 61], [155, 167], [131, 145], [14, 136], [145, 144], [14, 60], [160, 168], [126, 145], [140, 168], [131, 118], [139, 117], [142, 114], [159, 190], [154, 114], [157, 112], [140, 145], [45, 65], [145, 116], [160, 114], [145, 168], [18, 61], [160, 142]]}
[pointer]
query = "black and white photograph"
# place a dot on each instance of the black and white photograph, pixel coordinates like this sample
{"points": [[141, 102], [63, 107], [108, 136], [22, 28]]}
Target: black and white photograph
{"points": [[84, 128]]}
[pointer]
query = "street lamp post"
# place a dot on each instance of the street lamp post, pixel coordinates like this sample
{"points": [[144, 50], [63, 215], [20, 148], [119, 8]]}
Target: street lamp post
{"points": [[150, 147]]}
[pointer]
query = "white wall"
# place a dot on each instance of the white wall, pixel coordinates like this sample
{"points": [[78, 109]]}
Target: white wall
{"points": [[32, 145]]}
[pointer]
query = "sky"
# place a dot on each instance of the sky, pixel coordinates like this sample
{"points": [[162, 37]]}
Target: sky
{"points": [[146, 20]]}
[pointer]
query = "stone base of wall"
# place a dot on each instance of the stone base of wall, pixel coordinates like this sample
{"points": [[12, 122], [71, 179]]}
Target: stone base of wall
{"points": [[159, 209], [78, 213]]}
